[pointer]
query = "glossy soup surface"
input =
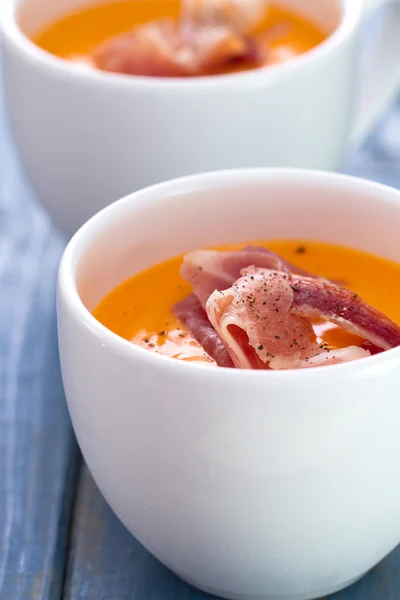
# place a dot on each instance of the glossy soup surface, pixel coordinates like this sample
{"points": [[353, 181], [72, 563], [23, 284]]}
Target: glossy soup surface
{"points": [[140, 309], [76, 35]]}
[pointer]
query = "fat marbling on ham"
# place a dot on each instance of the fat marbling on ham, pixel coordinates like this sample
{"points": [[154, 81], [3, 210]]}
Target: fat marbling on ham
{"points": [[260, 309]]}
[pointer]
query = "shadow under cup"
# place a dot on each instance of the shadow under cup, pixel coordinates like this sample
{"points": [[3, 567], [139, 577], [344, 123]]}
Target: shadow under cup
{"points": [[272, 485]]}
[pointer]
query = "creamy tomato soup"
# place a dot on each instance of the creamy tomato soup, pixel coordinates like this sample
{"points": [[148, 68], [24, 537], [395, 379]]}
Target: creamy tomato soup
{"points": [[142, 37], [298, 304]]}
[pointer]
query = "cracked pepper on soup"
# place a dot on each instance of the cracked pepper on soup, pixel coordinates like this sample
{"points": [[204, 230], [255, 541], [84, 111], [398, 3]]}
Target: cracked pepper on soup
{"points": [[278, 305], [180, 38]]}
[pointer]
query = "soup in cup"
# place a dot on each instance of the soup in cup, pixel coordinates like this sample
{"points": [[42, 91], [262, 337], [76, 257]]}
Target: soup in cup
{"points": [[272, 484], [88, 136]]}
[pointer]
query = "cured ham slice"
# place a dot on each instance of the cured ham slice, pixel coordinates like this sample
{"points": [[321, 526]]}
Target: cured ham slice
{"points": [[190, 312], [335, 357], [258, 305], [146, 50], [210, 35], [163, 49], [323, 359], [262, 310], [270, 311], [209, 270], [314, 298]]}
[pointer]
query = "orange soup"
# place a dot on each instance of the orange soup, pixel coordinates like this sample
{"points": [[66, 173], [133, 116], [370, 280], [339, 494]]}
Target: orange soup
{"points": [[76, 36], [141, 308]]}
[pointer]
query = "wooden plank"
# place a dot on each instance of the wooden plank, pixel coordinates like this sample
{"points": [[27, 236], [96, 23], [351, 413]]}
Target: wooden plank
{"points": [[107, 563], [37, 450]]}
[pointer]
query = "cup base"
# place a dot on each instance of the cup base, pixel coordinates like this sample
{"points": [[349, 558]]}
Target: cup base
{"points": [[308, 596]]}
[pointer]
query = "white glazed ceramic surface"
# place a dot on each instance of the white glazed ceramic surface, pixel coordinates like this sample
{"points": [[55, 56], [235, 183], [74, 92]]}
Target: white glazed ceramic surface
{"points": [[88, 138], [267, 485]]}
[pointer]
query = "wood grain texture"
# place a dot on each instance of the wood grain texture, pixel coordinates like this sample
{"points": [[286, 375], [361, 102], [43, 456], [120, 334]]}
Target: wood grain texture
{"points": [[37, 450], [107, 563]]}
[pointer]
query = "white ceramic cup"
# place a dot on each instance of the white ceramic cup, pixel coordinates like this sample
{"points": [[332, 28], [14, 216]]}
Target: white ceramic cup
{"points": [[88, 138], [248, 484]]}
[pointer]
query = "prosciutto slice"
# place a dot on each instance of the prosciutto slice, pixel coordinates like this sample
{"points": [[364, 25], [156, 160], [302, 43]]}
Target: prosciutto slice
{"points": [[190, 312], [313, 298], [162, 49], [210, 35], [209, 270], [255, 314], [270, 311]]}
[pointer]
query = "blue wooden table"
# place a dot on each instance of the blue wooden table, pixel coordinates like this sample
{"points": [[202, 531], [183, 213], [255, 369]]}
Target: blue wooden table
{"points": [[58, 539]]}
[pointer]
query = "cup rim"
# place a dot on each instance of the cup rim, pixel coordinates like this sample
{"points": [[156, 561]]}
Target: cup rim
{"points": [[352, 11], [81, 243]]}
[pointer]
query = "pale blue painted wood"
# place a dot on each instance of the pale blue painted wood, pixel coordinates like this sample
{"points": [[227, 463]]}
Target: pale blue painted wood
{"points": [[37, 451], [107, 563]]}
